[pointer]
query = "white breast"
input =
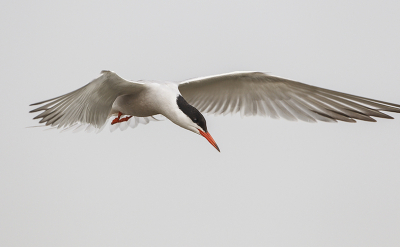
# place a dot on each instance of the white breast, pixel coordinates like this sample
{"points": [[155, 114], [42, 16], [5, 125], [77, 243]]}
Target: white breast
{"points": [[157, 98]]}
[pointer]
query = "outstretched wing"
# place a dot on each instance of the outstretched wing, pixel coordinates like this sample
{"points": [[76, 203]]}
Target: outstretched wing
{"points": [[88, 105], [256, 93]]}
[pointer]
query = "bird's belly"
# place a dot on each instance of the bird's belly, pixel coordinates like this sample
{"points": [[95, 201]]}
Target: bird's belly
{"points": [[134, 105]]}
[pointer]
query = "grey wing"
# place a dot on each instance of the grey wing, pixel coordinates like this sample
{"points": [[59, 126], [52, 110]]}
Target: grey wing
{"points": [[88, 105], [256, 93]]}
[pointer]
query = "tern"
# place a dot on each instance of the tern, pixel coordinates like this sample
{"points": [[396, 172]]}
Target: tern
{"points": [[250, 93]]}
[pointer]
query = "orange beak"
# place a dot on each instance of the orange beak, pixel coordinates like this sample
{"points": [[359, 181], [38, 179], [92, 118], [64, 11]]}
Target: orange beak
{"points": [[209, 139]]}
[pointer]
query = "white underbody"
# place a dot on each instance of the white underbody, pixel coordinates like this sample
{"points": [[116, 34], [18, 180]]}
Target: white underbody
{"points": [[156, 98]]}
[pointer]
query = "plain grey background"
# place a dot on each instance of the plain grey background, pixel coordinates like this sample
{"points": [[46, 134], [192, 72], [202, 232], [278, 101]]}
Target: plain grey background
{"points": [[275, 182]]}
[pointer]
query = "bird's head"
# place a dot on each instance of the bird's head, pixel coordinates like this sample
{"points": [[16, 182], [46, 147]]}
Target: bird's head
{"points": [[194, 120]]}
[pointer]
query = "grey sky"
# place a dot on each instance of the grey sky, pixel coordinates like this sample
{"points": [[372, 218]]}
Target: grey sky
{"points": [[275, 183]]}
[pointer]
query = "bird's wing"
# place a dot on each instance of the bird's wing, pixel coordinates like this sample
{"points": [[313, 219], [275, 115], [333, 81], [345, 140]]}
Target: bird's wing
{"points": [[88, 105], [256, 93]]}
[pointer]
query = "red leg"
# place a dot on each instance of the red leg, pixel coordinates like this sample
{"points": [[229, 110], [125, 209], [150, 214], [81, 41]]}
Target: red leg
{"points": [[119, 119], [116, 120], [125, 119]]}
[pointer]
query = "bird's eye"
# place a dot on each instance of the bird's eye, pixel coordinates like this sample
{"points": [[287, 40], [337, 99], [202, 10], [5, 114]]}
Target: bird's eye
{"points": [[194, 119]]}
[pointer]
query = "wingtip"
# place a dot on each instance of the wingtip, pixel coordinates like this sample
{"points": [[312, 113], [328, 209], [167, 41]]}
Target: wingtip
{"points": [[38, 103], [34, 110]]}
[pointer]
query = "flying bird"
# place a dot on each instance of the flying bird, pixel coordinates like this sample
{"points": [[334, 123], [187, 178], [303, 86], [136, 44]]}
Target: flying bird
{"points": [[251, 93]]}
